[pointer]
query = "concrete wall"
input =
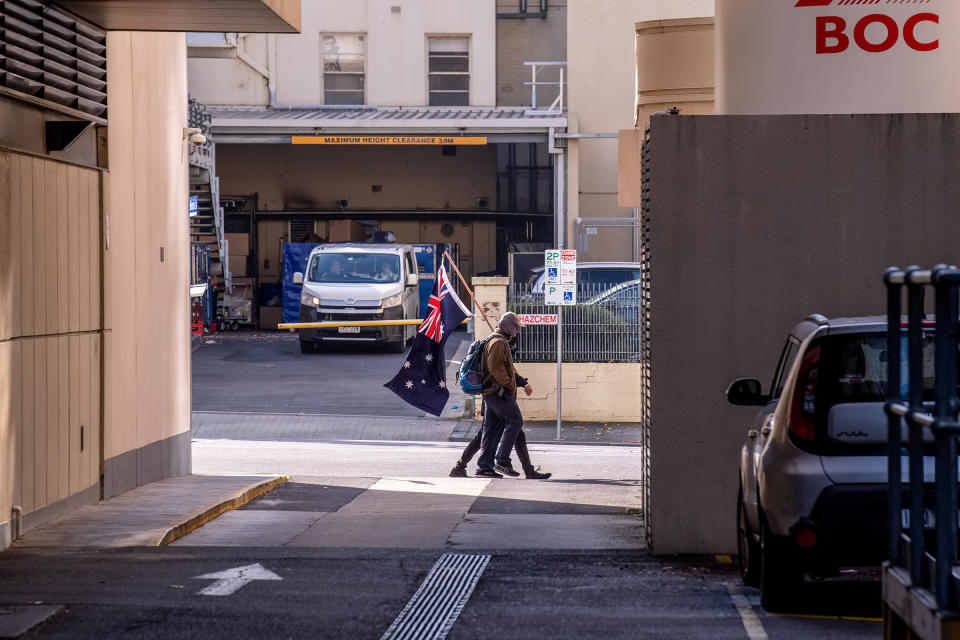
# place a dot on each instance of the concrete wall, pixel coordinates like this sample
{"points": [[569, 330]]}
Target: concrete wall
{"points": [[50, 337], [592, 392], [396, 62], [529, 40], [146, 302], [601, 44], [757, 222], [314, 177]]}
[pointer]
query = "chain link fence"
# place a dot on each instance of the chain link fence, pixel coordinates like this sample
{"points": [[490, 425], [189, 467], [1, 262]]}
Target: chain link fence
{"points": [[604, 325]]}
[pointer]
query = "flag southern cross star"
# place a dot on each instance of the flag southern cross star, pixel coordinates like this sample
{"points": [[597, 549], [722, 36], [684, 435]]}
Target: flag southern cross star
{"points": [[422, 379]]}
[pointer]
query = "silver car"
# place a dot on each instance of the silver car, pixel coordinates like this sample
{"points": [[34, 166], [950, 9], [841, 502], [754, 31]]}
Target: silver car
{"points": [[813, 470]]}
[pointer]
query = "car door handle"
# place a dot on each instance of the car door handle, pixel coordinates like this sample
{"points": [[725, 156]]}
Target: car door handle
{"points": [[752, 434], [766, 430]]}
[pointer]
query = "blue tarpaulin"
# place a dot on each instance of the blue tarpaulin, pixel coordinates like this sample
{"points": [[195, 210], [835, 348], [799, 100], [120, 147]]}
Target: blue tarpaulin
{"points": [[295, 256]]}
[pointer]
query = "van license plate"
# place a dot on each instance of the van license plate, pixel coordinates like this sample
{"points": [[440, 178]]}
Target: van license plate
{"points": [[349, 329]]}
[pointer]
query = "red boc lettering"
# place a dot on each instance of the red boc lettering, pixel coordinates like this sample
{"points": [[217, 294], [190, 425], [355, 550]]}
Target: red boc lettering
{"points": [[832, 36]]}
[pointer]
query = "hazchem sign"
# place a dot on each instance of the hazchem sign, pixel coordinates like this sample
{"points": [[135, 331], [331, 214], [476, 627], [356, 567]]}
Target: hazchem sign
{"points": [[392, 140], [541, 319], [837, 56]]}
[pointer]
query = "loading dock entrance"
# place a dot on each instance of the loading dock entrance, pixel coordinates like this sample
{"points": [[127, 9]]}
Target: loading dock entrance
{"points": [[484, 181]]}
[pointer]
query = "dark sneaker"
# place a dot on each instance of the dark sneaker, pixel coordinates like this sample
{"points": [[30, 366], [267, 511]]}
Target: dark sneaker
{"points": [[536, 474], [459, 471], [506, 470], [489, 473]]}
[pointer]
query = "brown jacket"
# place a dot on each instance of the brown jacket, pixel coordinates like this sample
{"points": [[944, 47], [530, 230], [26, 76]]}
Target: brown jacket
{"points": [[498, 365]]}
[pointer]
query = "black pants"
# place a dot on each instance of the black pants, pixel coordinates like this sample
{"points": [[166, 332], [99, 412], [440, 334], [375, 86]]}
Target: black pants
{"points": [[520, 446], [502, 424]]}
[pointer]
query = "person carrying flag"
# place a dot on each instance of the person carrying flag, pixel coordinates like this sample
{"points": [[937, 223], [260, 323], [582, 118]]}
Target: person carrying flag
{"points": [[523, 453], [503, 422]]}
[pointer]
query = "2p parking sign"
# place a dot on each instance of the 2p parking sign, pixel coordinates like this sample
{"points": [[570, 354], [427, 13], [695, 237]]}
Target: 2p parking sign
{"points": [[560, 287]]}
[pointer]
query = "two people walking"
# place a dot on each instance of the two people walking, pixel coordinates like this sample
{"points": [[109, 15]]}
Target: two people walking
{"points": [[502, 429]]}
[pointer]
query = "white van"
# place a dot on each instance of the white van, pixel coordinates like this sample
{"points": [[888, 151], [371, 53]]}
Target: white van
{"points": [[347, 282]]}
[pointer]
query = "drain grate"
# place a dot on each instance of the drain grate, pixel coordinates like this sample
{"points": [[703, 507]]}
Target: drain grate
{"points": [[434, 608]]}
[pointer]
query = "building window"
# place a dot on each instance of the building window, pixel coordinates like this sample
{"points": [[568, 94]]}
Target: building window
{"points": [[449, 71], [343, 68]]}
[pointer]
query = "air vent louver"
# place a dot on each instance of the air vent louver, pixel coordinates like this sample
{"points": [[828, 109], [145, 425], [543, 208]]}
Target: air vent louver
{"points": [[53, 58]]}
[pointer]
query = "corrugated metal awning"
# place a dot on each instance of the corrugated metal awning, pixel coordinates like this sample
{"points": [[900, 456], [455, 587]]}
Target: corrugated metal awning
{"points": [[263, 120], [247, 16]]}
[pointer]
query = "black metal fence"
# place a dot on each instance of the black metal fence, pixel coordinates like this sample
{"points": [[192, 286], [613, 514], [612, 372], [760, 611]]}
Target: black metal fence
{"points": [[604, 325], [915, 569]]}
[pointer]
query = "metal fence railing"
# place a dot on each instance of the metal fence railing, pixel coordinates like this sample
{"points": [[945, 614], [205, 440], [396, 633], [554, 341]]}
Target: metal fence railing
{"points": [[604, 325], [921, 582]]}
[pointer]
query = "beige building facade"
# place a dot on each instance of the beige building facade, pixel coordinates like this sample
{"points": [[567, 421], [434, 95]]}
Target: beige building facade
{"points": [[407, 69], [603, 52], [94, 254]]}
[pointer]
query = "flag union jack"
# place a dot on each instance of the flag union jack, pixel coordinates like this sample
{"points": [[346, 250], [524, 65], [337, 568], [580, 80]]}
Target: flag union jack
{"points": [[432, 326]]}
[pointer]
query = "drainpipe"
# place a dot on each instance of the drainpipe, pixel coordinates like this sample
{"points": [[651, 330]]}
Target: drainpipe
{"points": [[17, 521], [272, 85]]}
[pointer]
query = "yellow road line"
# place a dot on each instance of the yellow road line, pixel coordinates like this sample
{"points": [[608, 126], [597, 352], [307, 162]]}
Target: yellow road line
{"points": [[355, 323], [811, 616]]}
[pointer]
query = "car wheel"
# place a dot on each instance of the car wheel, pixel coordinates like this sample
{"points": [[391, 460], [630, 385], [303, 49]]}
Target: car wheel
{"points": [[307, 347], [781, 576], [748, 551], [398, 347]]}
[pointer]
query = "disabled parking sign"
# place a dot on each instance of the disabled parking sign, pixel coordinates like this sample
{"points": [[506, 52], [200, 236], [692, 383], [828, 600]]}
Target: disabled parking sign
{"points": [[560, 287]]}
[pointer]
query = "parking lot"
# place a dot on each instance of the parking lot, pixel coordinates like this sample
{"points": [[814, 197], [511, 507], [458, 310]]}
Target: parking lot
{"points": [[266, 373]]}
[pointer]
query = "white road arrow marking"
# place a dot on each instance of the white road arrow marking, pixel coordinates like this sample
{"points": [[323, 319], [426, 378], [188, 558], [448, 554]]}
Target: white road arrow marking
{"points": [[231, 580]]}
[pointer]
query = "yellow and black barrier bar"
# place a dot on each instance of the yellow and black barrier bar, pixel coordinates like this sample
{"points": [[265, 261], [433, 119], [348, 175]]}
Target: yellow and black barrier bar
{"points": [[356, 323]]}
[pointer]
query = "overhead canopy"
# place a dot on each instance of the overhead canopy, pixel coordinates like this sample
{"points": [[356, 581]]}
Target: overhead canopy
{"points": [[497, 124], [246, 16]]}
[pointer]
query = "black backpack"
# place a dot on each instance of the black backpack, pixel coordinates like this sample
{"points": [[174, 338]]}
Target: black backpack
{"points": [[471, 373]]}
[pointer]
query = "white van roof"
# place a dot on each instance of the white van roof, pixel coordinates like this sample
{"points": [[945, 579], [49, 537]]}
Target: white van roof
{"points": [[362, 247]]}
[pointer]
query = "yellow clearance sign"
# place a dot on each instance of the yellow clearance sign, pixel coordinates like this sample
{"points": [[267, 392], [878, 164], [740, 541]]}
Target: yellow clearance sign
{"points": [[391, 140]]}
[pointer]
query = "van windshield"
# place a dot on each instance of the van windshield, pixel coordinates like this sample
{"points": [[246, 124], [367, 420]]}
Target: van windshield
{"points": [[354, 267]]}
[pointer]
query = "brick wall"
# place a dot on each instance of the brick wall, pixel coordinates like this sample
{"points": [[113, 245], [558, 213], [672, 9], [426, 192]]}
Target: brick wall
{"points": [[530, 40]]}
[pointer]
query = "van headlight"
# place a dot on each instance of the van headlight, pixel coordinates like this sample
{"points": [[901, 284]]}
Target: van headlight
{"points": [[393, 301], [308, 299]]}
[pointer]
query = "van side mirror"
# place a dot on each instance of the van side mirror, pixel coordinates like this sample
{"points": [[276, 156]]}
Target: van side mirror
{"points": [[412, 280], [746, 392], [297, 278]]}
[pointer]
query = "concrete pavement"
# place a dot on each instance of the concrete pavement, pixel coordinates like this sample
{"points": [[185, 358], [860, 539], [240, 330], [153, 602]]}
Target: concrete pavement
{"points": [[350, 545], [149, 515]]}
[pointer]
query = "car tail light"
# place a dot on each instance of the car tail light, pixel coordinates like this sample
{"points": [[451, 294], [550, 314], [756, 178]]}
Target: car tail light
{"points": [[804, 396], [806, 537]]}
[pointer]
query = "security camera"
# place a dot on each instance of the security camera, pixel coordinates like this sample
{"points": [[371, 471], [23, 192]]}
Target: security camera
{"points": [[344, 203], [483, 203], [194, 135]]}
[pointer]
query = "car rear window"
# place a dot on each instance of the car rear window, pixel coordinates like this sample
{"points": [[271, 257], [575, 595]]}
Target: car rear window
{"points": [[854, 369]]}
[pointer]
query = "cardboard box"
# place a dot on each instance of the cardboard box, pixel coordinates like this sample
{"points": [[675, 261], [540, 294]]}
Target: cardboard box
{"points": [[347, 231], [238, 244], [244, 282], [270, 317], [238, 266]]}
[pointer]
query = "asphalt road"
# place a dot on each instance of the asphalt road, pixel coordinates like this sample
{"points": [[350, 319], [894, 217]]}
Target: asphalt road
{"points": [[349, 593], [257, 372]]}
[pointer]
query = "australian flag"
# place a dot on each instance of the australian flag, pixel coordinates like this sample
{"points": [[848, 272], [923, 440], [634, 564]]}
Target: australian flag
{"points": [[422, 380]]}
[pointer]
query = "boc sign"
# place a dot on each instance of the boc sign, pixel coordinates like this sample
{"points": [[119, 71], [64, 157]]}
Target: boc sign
{"points": [[837, 56]]}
